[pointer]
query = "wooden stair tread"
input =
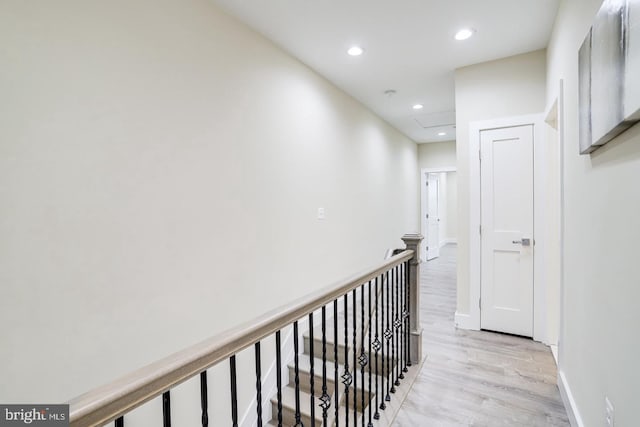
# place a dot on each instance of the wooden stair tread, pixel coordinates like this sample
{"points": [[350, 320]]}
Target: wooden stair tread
{"points": [[289, 402]]}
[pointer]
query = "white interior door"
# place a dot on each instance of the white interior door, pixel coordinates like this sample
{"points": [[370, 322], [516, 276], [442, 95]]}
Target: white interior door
{"points": [[506, 174], [433, 226]]}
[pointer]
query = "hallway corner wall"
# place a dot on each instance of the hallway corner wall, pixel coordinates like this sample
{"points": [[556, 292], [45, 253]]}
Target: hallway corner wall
{"points": [[506, 87]]}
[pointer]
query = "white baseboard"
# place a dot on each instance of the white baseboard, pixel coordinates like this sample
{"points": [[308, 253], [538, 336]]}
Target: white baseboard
{"points": [[554, 352], [569, 403], [463, 321]]}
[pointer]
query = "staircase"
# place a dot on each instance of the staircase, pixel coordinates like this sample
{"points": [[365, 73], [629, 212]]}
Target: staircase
{"points": [[369, 347], [365, 395]]}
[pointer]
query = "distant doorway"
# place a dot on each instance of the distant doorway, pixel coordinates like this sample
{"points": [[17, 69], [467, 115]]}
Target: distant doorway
{"points": [[433, 216], [439, 210]]}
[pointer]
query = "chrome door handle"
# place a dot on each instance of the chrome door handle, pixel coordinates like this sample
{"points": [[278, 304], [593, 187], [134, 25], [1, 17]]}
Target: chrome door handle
{"points": [[517, 242], [523, 242]]}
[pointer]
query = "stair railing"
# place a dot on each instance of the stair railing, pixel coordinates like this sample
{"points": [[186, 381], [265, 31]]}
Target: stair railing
{"points": [[392, 331]]}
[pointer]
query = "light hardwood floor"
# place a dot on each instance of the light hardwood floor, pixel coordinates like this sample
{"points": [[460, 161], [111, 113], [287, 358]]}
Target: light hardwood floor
{"points": [[473, 378]]}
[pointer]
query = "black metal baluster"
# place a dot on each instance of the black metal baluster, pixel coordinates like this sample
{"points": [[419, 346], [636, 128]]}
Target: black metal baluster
{"points": [[335, 361], [370, 368], [258, 384], [383, 405], [166, 409], [403, 318], [396, 327], [399, 374], [119, 422], [355, 363], [346, 377], [408, 274], [394, 277], [311, 372], [297, 372], [204, 399], [376, 347], [325, 400], [387, 338], [279, 377], [234, 391], [363, 357]]}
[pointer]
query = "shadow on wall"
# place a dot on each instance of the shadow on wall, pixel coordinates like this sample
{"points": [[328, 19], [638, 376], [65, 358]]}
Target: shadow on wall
{"points": [[623, 149]]}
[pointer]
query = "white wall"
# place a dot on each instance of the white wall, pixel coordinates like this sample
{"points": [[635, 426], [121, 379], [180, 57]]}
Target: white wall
{"points": [[434, 155], [161, 168], [506, 87], [599, 347]]}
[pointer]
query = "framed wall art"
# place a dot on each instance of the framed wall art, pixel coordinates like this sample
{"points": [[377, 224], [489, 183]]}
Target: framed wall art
{"points": [[609, 74]]}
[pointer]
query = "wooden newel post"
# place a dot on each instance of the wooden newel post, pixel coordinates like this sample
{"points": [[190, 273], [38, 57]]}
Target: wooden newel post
{"points": [[412, 242]]}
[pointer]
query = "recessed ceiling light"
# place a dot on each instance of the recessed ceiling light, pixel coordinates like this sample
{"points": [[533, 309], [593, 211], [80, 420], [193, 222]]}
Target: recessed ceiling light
{"points": [[442, 133], [418, 107], [355, 51], [464, 33]]}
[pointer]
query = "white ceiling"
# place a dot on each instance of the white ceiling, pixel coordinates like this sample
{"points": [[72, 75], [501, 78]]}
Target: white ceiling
{"points": [[409, 47]]}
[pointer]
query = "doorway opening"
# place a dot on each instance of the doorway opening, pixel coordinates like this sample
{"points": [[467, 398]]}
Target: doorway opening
{"points": [[439, 212]]}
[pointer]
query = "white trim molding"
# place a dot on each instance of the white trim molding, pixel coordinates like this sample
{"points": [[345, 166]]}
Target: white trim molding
{"points": [[463, 321], [569, 403], [438, 170], [540, 315], [560, 126]]}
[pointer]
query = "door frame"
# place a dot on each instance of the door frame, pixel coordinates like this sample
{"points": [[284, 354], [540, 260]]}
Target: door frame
{"points": [[472, 321], [423, 199], [433, 223], [554, 118]]}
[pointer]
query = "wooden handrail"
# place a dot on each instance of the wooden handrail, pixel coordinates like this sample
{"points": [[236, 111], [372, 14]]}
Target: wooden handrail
{"points": [[110, 401]]}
